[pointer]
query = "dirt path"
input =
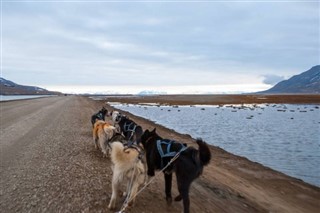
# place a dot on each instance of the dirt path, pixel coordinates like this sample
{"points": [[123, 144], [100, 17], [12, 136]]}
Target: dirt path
{"points": [[49, 164]]}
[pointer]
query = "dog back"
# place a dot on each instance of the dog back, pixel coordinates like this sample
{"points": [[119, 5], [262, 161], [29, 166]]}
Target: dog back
{"points": [[125, 159]]}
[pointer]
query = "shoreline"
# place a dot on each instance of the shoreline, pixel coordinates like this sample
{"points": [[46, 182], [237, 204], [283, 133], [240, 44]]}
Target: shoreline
{"points": [[218, 99], [273, 190], [58, 168], [245, 171], [240, 148], [191, 141]]}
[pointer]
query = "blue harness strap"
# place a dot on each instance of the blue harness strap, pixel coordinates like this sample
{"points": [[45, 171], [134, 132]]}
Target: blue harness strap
{"points": [[130, 127], [100, 116], [127, 127], [167, 152]]}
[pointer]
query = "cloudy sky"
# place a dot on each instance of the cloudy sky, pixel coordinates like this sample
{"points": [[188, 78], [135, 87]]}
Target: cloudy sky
{"points": [[171, 46]]}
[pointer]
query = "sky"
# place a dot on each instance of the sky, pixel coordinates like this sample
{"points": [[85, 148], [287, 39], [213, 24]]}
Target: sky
{"points": [[157, 46]]}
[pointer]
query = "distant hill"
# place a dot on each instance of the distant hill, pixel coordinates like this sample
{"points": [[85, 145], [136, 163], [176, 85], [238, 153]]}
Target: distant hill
{"points": [[10, 88], [151, 92], [306, 82]]}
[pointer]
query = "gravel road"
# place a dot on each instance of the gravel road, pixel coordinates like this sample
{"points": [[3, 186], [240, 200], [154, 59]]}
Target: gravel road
{"points": [[49, 164]]}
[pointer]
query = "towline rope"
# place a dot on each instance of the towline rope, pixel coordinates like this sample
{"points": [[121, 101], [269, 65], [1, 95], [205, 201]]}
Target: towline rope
{"points": [[126, 202]]}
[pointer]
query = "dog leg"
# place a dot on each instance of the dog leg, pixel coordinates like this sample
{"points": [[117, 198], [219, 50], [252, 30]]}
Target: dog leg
{"points": [[102, 140], [127, 192], [179, 197], [108, 150], [168, 185], [183, 188], [95, 138], [115, 189], [186, 201], [133, 192], [150, 165]]}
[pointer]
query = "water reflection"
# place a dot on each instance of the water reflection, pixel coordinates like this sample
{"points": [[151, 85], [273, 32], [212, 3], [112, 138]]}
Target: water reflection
{"points": [[285, 137]]}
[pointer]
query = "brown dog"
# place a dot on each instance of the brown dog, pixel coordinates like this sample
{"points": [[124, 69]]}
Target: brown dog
{"points": [[102, 133]]}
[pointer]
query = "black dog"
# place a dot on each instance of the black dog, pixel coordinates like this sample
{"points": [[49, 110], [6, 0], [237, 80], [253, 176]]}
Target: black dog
{"points": [[188, 166], [130, 129], [99, 115]]}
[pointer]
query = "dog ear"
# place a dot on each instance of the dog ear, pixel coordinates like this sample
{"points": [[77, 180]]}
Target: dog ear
{"points": [[154, 130]]}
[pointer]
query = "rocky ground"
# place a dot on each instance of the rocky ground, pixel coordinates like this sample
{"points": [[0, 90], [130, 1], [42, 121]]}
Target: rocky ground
{"points": [[49, 164]]}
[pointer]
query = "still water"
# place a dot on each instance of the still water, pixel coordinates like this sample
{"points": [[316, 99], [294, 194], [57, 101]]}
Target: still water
{"points": [[19, 97], [283, 137]]}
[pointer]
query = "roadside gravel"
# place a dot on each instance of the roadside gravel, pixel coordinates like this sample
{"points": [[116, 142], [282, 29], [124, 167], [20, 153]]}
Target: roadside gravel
{"points": [[49, 164]]}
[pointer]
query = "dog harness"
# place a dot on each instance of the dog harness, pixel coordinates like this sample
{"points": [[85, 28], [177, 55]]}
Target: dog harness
{"points": [[166, 152], [136, 147], [130, 127], [100, 116]]}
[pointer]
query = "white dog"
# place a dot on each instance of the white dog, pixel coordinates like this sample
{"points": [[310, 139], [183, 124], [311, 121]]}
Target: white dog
{"points": [[115, 117], [128, 167]]}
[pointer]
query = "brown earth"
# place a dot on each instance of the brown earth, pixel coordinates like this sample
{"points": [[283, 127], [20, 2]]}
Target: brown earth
{"points": [[49, 164], [219, 99]]}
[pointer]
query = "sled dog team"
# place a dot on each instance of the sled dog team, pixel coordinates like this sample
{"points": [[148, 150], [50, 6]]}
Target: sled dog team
{"points": [[136, 153]]}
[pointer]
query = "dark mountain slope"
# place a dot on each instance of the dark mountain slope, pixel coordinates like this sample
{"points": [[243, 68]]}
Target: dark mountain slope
{"points": [[10, 88], [306, 82]]}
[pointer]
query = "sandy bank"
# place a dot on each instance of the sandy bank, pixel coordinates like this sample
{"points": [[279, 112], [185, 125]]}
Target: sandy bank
{"points": [[237, 176], [49, 164]]}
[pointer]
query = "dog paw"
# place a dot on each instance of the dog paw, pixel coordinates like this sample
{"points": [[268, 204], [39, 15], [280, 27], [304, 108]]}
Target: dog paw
{"points": [[169, 200], [178, 198], [110, 206], [130, 203]]}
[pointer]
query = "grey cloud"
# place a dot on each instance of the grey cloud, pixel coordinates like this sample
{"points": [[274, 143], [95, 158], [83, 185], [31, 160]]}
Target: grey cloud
{"points": [[161, 40]]}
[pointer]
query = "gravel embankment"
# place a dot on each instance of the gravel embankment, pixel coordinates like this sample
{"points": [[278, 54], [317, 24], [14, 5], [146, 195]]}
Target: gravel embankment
{"points": [[49, 164]]}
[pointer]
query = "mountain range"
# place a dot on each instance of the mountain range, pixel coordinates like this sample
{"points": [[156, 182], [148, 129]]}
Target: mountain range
{"points": [[10, 88], [306, 82]]}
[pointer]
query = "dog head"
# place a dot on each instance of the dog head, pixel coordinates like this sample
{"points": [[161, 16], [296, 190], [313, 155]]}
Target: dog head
{"points": [[145, 137]]}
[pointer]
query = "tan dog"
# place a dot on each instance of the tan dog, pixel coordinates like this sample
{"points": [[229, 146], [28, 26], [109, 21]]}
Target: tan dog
{"points": [[102, 133], [128, 167]]}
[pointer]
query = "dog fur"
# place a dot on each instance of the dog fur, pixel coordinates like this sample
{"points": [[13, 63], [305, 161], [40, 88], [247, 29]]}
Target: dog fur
{"points": [[115, 116], [131, 130], [102, 133], [99, 115], [187, 167], [127, 167]]}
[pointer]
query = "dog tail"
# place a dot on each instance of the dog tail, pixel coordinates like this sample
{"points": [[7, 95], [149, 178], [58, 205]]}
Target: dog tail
{"points": [[204, 152], [122, 157]]}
